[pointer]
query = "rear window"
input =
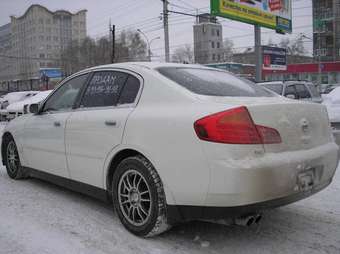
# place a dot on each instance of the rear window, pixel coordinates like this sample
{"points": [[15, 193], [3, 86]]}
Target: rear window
{"points": [[277, 88], [213, 82]]}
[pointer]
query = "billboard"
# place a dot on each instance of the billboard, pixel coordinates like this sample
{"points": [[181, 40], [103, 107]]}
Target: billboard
{"points": [[273, 14], [274, 58]]}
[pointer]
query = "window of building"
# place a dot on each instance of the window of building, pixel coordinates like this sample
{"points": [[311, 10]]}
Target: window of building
{"points": [[213, 57], [41, 21], [213, 44], [218, 33], [41, 55], [218, 45]]}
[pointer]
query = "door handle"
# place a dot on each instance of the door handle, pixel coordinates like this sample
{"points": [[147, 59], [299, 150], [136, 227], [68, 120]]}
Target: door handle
{"points": [[57, 124], [110, 123]]}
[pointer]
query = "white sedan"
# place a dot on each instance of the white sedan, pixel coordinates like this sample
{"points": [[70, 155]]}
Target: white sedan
{"points": [[169, 143]]}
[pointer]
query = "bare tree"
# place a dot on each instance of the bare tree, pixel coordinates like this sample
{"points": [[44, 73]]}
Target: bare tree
{"points": [[228, 47], [183, 54], [129, 47]]}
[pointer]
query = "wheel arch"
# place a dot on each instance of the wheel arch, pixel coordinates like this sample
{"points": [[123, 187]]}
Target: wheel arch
{"points": [[117, 158], [122, 154]]}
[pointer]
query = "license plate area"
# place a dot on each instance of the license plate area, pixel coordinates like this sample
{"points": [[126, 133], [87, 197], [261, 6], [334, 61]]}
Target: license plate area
{"points": [[306, 179]]}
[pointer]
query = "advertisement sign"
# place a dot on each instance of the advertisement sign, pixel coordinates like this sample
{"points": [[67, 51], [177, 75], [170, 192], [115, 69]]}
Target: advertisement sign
{"points": [[273, 14], [51, 72], [274, 58]]}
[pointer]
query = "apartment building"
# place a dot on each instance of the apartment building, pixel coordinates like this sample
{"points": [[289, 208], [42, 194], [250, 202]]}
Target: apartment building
{"points": [[326, 30], [208, 40], [37, 39]]}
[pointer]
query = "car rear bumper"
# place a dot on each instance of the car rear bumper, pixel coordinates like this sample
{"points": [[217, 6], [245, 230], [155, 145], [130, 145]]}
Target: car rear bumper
{"points": [[186, 213], [272, 176]]}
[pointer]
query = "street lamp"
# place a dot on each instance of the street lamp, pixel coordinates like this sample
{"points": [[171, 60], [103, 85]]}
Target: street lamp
{"points": [[148, 42]]}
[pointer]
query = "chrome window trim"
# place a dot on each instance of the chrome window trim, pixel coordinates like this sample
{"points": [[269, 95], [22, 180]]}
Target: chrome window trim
{"points": [[90, 72]]}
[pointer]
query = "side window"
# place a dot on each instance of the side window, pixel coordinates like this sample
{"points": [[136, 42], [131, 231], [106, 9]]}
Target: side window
{"points": [[104, 89], [302, 91], [66, 95], [130, 91], [290, 90]]}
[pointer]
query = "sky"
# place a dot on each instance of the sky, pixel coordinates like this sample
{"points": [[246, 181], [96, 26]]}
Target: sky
{"points": [[145, 15]]}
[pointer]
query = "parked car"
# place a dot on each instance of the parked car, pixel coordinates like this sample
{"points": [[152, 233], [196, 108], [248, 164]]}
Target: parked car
{"points": [[12, 98], [22, 107], [300, 90], [171, 142], [329, 88], [332, 102]]}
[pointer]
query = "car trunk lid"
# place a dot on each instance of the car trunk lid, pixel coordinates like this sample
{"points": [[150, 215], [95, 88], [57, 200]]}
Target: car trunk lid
{"points": [[301, 125]]}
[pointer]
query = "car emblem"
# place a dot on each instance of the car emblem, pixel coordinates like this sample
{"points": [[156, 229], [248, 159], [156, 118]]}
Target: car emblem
{"points": [[304, 125]]}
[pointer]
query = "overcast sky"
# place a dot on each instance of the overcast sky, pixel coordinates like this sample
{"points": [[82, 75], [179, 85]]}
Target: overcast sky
{"points": [[145, 15]]}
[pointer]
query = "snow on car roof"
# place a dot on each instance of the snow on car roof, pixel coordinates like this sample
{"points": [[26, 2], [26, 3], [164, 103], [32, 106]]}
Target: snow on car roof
{"points": [[148, 65]]}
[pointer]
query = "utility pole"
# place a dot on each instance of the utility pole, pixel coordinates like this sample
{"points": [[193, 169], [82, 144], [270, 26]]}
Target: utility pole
{"points": [[319, 64], [166, 29], [113, 32], [258, 54]]}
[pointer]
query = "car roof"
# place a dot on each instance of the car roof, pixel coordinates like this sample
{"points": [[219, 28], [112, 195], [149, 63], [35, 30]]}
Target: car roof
{"points": [[147, 65], [286, 82]]}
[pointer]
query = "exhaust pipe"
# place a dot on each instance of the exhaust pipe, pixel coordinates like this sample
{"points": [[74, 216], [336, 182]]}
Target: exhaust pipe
{"points": [[248, 220]]}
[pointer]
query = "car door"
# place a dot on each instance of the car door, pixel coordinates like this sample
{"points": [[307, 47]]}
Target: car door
{"points": [[302, 92], [44, 132], [97, 126]]}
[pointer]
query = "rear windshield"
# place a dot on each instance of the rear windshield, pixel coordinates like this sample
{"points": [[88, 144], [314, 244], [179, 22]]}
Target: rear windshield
{"points": [[213, 82], [314, 90], [277, 88]]}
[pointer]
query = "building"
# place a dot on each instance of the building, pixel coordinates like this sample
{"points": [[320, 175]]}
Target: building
{"points": [[248, 57], [329, 73], [326, 30], [208, 40], [5, 46], [37, 39]]}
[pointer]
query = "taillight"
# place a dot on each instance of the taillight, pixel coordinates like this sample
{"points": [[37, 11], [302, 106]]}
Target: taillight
{"points": [[235, 126]]}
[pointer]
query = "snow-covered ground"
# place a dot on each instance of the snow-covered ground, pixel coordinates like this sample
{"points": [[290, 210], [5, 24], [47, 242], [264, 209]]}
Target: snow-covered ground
{"points": [[37, 217]]}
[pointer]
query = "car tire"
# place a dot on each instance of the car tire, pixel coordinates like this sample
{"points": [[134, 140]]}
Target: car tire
{"points": [[12, 160], [139, 198]]}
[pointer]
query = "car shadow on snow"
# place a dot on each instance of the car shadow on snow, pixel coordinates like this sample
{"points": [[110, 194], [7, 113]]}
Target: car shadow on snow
{"points": [[278, 225]]}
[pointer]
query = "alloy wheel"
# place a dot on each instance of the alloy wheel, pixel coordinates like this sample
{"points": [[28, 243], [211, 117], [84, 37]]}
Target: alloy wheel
{"points": [[134, 197]]}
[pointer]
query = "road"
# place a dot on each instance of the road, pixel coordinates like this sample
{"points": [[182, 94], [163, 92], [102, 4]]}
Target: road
{"points": [[37, 217]]}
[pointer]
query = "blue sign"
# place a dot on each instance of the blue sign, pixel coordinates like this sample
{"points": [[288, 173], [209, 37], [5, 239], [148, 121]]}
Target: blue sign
{"points": [[51, 73]]}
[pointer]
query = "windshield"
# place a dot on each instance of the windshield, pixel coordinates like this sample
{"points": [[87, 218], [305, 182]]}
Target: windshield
{"points": [[213, 82], [277, 88]]}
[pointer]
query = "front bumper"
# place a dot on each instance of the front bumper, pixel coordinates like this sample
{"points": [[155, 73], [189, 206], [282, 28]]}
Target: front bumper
{"points": [[177, 214]]}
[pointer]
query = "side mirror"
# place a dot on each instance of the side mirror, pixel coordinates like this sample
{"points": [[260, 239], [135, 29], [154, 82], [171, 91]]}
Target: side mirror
{"points": [[34, 108], [291, 96]]}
